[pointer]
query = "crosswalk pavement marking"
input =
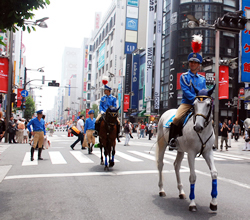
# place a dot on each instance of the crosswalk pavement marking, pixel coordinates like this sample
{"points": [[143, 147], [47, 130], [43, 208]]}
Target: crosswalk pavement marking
{"points": [[127, 157], [227, 157], [3, 148], [81, 157], [28, 162], [56, 157], [98, 154]]}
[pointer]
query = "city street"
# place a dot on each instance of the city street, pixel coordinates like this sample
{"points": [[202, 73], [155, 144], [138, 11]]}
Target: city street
{"points": [[71, 184]]}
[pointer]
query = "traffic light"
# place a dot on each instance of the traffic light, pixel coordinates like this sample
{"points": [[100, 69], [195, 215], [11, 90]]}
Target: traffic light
{"points": [[13, 97], [54, 83], [232, 21], [23, 104]]}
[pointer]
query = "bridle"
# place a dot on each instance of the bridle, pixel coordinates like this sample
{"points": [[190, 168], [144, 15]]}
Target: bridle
{"points": [[206, 117]]}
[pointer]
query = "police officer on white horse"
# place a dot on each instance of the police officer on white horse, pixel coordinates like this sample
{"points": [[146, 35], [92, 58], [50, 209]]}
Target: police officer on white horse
{"points": [[186, 81], [107, 101]]}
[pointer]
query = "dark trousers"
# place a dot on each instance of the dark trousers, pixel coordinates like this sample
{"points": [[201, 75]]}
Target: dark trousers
{"points": [[150, 134], [80, 138], [12, 137], [236, 136]]}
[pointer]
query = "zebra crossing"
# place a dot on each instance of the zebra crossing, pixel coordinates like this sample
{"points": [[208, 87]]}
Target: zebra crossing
{"points": [[134, 156]]}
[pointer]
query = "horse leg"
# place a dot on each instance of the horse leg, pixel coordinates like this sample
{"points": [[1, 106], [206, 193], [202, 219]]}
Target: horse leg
{"points": [[106, 160], [101, 155], [177, 166], [192, 179], [160, 150], [112, 162], [208, 156]]}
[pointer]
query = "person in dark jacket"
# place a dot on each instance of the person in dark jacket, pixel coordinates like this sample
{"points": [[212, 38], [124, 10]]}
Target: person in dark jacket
{"points": [[2, 126], [11, 130]]}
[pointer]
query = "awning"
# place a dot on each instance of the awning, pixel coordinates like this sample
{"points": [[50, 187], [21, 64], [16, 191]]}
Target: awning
{"points": [[134, 114], [141, 114]]}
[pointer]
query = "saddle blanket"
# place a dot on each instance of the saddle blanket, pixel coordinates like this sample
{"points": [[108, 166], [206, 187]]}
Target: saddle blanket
{"points": [[167, 125]]}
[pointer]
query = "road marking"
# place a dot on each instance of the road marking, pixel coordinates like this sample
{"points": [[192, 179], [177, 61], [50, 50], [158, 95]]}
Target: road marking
{"points": [[227, 157], [3, 148], [81, 157], [98, 154], [231, 155], [56, 157], [127, 157], [3, 171], [28, 162]]}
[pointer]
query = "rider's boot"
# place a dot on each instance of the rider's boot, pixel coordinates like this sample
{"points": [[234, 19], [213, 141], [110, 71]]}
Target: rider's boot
{"points": [[172, 137], [32, 154], [118, 132], [97, 127]]}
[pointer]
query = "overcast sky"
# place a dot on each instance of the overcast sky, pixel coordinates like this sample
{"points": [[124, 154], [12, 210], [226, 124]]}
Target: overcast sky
{"points": [[69, 23]]}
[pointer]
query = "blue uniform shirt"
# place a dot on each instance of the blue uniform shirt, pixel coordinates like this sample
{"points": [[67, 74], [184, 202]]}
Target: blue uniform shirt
{"points": [[186, 81], [107, 101], [37, 125], [89, 125]]}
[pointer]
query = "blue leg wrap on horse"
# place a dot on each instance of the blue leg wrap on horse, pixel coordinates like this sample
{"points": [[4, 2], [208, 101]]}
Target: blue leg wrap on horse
{"points": [[113, 158], [106, 161], [191, 195], [214, 192]]}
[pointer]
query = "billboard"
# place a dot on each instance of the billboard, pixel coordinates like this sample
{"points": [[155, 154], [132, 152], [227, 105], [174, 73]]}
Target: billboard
{"points": [[133, 3], [131, 24], [128, 74], [126, 103], [4, 67], [223, 82], [130, 47], [101, 58], [135, 81], [132, 12]]}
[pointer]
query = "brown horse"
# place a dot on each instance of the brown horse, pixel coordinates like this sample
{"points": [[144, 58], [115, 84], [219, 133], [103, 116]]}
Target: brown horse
{"points": [[107, 136]]}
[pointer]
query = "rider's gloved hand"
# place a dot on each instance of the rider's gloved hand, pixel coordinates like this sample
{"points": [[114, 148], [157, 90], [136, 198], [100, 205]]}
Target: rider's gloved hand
{"points": [[102, 112]]}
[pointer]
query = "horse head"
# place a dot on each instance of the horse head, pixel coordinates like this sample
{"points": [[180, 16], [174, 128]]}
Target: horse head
{"points": [[202, 108], [112, 113]]}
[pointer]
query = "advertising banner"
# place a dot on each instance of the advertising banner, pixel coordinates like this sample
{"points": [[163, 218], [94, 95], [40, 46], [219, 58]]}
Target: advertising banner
{"points": [[135, 81], [245, 57], [87, 113], [126, 103], [4, 67], [128, 70], [149, 53], [223, 82], [133, 3], [101, 58], [131, 24], [158, 54], [130, 47]]}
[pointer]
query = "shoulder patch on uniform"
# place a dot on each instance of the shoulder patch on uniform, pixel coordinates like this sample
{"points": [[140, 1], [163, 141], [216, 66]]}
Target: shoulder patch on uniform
{"points": [[184, 80]]}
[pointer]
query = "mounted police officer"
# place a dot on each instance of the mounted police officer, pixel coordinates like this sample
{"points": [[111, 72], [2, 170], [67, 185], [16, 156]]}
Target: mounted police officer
{"points": [[186, 81], [107, 101]]}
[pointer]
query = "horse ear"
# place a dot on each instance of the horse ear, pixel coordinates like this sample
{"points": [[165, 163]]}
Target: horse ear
{"points": [[118, 108], [196, 90], [210, 91]]}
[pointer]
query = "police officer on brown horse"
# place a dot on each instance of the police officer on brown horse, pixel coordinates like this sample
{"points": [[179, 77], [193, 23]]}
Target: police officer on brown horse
{"points": [[107, 101]]}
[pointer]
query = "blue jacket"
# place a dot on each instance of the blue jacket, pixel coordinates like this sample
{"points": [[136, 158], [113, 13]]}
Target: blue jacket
{"points": [[186, 81], [37, 125], [89, 125], [107, 101]]}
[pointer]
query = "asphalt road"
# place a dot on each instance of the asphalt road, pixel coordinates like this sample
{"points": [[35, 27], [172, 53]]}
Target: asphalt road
{"points": [[73, 185]]}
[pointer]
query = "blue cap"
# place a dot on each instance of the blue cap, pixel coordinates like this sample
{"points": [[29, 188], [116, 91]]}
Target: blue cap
{"points": [[91, 112], [78, 117], [107, 88], [39, 111], [195, 57]]}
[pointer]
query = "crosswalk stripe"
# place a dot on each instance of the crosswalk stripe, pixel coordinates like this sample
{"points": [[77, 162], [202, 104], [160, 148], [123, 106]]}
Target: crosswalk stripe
{"points": [[227, 157], [231, 155], [127, 157], [98, 154], [56, 157], [28, 162], [81, 157]]}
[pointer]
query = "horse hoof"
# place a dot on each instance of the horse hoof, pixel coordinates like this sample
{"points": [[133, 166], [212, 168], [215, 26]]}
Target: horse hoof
{"points": [[213, 207], [106, 168], [162, 194], [192, 208], [101, 163], [111, 164], [182, 196]]}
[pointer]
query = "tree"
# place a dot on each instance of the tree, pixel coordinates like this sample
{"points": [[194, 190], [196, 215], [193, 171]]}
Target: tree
{"points": [[14, 13], [30, 108], [95, 108]]}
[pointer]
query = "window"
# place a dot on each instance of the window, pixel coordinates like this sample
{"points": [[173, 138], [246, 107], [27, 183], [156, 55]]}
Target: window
{"points": [[96, 76], [90, 57], [88, 86], [90, 66], [107, 67], [90, 47], [88, 105], [89, 77], [99, 84], [99, 96], [110, 63], [111, 36], [88, 96], [99, 72], [111, 50], [102, 69], [108, 41], [107, 54]]}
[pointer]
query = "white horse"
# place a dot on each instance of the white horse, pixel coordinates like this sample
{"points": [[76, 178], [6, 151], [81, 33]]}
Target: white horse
{"points": [[198, 137]]}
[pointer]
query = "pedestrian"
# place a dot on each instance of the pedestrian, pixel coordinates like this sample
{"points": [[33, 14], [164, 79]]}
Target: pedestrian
{"points": [[188, 82], [21, 127], [150, 130], [142, 131], [236, 131], [11, 130], [38, 125], [80, 127], [230, 128], [127, 133], [51, 128], [25, 135], [89, 129], [154, 129], [224, 136], [138, 130], [247, 139], [2, 126]]}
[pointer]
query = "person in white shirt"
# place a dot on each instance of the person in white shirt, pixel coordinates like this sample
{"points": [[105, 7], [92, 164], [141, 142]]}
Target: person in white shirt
{"points": [[25, 135], [80, 127]]}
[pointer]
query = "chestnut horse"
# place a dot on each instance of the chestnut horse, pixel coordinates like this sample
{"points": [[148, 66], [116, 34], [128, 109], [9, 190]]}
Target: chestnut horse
{"points": [[107, 136]]}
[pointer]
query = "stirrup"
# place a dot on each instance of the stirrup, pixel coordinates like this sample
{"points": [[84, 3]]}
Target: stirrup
{"points": [[172, 145], [95, 134]]}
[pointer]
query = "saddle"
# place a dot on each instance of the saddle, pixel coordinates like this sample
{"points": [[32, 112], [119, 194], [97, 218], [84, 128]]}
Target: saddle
{"points": [[183, 121]]}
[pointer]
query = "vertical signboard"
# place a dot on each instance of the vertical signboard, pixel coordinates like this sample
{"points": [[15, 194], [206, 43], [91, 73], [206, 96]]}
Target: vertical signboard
{"points": [[97, 20], [4, 67], [149, 54], [85, 69], [135, 81], [223, 82], [158, 54], [245, 58], [128, 73], [126, 103], [101, 58]]}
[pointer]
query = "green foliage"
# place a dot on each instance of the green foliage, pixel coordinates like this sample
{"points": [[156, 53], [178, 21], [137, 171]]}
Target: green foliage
{"points": [[13, 13], [83, 112], [95, 108], [30, 108]]}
